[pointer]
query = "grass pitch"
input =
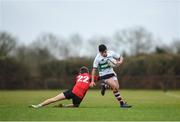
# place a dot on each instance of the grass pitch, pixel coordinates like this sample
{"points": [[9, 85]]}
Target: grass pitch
{"points": [[147, 105]]}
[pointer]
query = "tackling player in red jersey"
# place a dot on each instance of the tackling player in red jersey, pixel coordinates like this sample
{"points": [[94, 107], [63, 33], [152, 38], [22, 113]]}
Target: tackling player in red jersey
{"points": [[77, 93]]}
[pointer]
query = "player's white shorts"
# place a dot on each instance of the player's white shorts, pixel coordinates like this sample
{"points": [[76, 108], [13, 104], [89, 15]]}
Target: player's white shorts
{"points": [[114, 78]]}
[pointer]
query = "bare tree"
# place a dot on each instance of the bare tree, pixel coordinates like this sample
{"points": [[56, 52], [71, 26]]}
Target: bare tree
{"points": [[136, 40], [57, 47], [32, 57], [75, 45], [7, 44], [176, 45], [92, 45], [20, 53], [173, 48]]}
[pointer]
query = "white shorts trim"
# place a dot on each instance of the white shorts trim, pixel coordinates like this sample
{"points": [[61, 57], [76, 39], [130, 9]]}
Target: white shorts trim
{"points": [[114, 78]]}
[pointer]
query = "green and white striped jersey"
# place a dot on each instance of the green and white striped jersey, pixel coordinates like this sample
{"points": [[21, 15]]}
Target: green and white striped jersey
{"points": [[102, 65]]}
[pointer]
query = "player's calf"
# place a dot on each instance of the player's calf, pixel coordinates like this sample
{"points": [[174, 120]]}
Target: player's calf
{"points": [[103, 88], [119, 98]]}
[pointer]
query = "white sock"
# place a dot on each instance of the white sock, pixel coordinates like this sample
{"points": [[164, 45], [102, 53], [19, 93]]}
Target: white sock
{"points": [[39, 105]]}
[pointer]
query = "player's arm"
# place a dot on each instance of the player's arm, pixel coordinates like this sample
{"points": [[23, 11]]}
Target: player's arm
{"points": [[95, 65], [119, 61], [118, 57], [92, 77]]}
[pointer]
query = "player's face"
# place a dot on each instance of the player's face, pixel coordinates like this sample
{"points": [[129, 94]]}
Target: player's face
{"points": [[104, 53]]}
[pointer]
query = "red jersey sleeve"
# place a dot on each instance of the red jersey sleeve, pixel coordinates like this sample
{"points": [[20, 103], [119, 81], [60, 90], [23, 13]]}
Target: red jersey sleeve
{"points": [[96, 78]]}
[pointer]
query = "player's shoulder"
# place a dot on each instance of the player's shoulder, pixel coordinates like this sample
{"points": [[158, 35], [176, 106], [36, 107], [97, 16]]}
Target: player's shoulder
{"points": [[83, 75], [98, 56], [110, 52], [86, 74]]}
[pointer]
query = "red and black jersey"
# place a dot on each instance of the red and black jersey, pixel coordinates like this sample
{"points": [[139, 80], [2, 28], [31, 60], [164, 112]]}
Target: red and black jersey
{"points": [[82, 84]]}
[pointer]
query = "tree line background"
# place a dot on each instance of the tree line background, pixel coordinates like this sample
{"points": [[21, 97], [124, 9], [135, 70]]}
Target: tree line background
{"points": [[51, 62]]}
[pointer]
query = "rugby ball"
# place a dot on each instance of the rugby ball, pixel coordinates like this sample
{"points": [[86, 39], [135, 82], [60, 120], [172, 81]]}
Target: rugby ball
{"points": [[112, 62]]}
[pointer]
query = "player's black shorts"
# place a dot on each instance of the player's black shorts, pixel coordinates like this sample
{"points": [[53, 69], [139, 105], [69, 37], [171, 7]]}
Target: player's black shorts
{"points": [[107, 76], [75, 99]]}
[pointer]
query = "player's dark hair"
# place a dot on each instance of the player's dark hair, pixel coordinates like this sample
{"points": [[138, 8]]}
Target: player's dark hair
{"points": [[83, 70], [102, 48]]}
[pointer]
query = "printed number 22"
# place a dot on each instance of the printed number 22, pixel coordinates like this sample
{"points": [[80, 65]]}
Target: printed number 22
{"points": [[83, 79]]}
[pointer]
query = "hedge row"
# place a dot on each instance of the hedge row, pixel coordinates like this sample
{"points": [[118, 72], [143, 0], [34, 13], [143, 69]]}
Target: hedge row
{"points": [[153, 71]]}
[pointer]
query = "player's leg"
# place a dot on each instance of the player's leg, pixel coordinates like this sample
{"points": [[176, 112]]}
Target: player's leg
{"points": [[115, 88], [64, 106], [114, 84], [123, 104], [103, 88], [53, 99], [116, 92], [50, 100], [75, 100]]}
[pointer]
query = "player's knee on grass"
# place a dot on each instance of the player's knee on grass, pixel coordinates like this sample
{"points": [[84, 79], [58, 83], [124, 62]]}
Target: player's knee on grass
{"points": [[76, 105]]}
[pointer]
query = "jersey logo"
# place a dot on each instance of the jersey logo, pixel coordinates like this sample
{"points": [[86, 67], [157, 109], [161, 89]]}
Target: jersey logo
{"points": [[103, 65]]}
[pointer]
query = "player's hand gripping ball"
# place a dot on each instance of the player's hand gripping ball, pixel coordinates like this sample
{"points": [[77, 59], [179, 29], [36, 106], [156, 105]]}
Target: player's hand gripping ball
{"points": [[112, 62]]}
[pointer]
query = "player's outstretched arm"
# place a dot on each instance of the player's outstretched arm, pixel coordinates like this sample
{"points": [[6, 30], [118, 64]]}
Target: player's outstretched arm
{"points": [[92, 77]]}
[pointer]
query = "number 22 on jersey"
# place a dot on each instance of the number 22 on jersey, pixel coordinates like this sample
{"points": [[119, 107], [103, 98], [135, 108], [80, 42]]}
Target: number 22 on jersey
{"points": [[83, 79]]}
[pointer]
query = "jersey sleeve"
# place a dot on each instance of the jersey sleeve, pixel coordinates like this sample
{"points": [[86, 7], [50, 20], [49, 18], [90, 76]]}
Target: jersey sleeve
{"points": [[95, 78]]}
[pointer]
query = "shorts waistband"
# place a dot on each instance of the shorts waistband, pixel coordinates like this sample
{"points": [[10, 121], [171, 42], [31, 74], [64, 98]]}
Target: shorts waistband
{"points": [[107, 76]]}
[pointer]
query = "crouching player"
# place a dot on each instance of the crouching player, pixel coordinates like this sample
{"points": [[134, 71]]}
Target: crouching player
{"points": [[77, 93]]}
